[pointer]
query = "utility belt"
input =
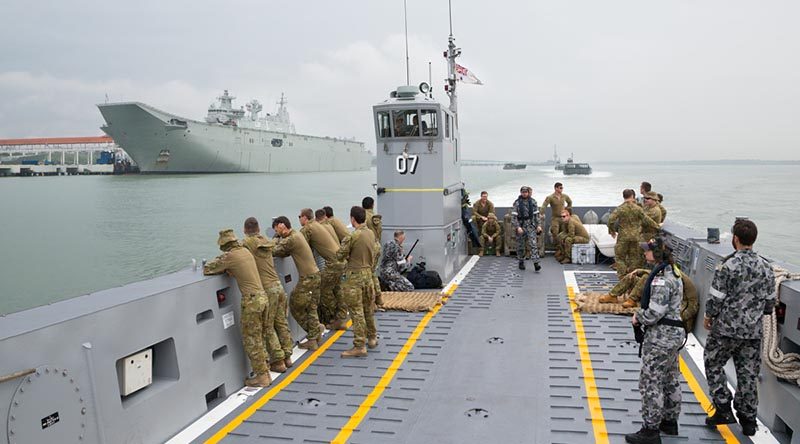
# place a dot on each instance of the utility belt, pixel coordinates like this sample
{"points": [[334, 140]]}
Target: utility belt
{"points": [[639, 330]]}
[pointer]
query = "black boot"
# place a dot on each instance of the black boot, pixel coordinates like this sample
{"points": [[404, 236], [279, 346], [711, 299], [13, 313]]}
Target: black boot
{"points": [[669, 427], [521, 265], [722, 415], [748, 425], [644, 436], [536, 266]]}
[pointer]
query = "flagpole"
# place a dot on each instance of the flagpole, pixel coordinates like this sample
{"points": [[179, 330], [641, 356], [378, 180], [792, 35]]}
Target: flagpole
{"points": [[405, 19], [430, 77]]}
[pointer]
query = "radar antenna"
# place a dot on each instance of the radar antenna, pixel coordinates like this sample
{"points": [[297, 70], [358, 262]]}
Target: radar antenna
{"points": [[405, 20]]}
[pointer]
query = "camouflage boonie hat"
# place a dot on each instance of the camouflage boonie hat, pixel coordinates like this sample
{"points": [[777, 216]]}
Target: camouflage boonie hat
{"points": [[226, 236], [525, 188], [492, 216]]}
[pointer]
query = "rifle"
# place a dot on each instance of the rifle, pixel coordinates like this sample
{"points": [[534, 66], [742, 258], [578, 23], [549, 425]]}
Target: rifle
{"points": [[412, 249]]}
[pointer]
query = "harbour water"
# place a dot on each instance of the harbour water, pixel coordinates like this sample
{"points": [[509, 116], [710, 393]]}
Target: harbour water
{"points": [[65, 236]]}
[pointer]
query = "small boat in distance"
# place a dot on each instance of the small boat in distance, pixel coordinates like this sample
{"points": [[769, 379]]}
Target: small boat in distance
{"points": [[514, 166], [571, 168]]}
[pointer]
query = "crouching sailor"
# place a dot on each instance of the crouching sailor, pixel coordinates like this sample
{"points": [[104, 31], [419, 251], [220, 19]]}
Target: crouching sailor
{"points": [[664, 335], [394, 263], [238, 262]]}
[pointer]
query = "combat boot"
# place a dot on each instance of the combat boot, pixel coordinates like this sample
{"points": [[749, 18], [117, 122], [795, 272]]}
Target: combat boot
{"points": [[310, 344], [607, 299], [263, 380], [629, 303], [372, 342], [644, 436], [288, 362], [565, 261], [480, 252], [355, 352], [669, 427], [536, 266], [521, 265], [338, 324], [497, 252], [278, 366], [748, 425], [722, 415]]}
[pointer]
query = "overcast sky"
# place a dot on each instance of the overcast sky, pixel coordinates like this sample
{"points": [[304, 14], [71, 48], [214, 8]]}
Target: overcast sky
{"points": [[614, 79]]}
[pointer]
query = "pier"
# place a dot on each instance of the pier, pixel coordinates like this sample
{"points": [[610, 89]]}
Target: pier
{"points": [[61, 156]]}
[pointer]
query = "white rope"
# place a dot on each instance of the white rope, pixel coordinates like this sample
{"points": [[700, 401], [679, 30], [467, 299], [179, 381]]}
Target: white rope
{"points": [[783, 365]]}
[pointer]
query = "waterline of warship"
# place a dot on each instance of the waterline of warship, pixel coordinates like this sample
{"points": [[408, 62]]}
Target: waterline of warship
{"points": [[230, 140]]}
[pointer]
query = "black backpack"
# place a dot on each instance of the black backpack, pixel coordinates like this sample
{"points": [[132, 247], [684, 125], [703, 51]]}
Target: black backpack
{"points": [[424, 279]]}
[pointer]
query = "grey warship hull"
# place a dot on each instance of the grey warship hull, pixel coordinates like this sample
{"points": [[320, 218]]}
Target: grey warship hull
{"points": [[160, 142]]}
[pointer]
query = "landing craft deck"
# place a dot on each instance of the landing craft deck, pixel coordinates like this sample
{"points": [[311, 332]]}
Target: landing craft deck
{"points": [[504, 360]]}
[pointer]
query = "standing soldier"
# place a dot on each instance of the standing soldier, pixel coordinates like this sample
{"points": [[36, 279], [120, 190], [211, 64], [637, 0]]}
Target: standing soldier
{"points": [[481, 210], [277, 336], [652, 210], [558, 201], [742, 292], [644, 188], [526, 224], [572, 232], [322, 218], [491, 234], [661, 207], [660, 316], [338, 226], [373, 222], [394, 263], [324, 242], [305, 296], [238, 262], [357, 286], [628, 220]]}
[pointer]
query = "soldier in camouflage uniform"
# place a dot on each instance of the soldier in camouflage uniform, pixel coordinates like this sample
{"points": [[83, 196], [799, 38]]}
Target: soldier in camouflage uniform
{"points": [[652, 210], [558, 201], [394, 263], [526, 224], [572, 232], [339, 227], [742, 292], [238, 262], [277, 335], [659, 380], [481, 209], [305, 296], [491, 234], [375, 224], [628, 220], [357, 283], [324, 242]]}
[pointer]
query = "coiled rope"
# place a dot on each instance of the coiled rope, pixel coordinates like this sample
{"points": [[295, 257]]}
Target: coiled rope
{"points": [[783, 365]]}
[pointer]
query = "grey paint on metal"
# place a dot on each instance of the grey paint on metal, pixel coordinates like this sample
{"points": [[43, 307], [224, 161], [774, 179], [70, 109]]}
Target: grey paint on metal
{"points": [[80, 341]]}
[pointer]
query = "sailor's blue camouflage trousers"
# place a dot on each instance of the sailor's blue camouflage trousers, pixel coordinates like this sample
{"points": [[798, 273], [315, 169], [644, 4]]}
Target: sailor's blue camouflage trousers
{"points": [[659, 380], [746, 354], [528, 236]]}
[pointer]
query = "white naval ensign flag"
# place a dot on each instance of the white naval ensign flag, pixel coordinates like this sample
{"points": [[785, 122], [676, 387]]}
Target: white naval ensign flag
{"points": [[466, 76]]}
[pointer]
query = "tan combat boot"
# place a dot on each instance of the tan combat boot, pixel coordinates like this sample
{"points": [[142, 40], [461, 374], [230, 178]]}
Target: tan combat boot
{"points": [[355, 352], [263, 380], [310, 344], [497, 252], [607, 299], [372, 342], [339, 324], [288, 362], [629, 303], [480, 252], [278, 366]]}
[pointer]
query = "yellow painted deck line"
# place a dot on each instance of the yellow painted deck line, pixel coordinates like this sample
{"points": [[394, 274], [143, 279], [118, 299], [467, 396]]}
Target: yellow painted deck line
{"points": [[592, 396], [372, 398], [724, 430], [274, 390]]}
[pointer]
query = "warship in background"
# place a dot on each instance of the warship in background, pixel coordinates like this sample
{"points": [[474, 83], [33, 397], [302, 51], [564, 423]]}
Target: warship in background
{"points": [[515, 166], [230, 140]]}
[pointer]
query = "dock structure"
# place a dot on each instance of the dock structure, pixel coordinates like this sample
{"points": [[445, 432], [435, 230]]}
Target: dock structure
{"points": [[58, 156]]}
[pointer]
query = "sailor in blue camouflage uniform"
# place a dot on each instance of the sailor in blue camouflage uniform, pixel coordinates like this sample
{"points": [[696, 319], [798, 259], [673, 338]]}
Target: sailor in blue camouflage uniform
{"points": [[526, 224], [664, 335], [742, 292], [394, 263]]}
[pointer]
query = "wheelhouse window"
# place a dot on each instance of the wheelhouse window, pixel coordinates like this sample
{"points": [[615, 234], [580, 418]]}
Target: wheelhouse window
{"points": [[406, 123], [429, 123], [384, 128]]}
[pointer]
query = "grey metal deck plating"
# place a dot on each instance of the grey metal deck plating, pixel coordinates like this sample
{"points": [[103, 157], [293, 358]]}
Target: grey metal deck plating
{"points": [[498, 363]]}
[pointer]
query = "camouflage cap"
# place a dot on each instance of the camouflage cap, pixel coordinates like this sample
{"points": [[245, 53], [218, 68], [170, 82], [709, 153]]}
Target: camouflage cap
{"points": [[492, 216], [651, 195], [226, 236]]}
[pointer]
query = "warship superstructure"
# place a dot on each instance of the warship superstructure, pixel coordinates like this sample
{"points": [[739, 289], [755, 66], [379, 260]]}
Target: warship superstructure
{"points": [[229, 140]]}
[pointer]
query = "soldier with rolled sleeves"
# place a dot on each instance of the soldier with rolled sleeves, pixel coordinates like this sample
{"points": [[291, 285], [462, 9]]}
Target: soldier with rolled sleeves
{"points": [[338, 226], [305, 296], [526, 224], [491, 234], [625, 225], [238, 262], [357, 284], [742, 292], [572, 232], [374, 223], [558, 201], [664, 335], [277, 336], [481, 209], [322, 239]]}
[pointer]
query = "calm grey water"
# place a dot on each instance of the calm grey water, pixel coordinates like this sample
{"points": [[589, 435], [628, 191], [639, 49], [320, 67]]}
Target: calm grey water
{"points": [[65, 236]]}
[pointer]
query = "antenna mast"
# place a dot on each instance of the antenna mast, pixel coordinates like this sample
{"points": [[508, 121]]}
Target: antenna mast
{"points": [[451, 54], [405, 19]]}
